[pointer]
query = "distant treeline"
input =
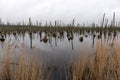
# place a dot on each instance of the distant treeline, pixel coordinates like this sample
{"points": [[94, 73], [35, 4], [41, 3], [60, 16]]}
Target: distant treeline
{"points": [[104, 24]]}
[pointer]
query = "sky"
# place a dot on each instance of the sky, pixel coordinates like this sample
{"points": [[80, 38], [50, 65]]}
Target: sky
{"points": [[83, 11]]}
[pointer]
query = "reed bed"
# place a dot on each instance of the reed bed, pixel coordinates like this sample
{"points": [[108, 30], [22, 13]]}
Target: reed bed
{"points": [[22, 67], [104, 64]]}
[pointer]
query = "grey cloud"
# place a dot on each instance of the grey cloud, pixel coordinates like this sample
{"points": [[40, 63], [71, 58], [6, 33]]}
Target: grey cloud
{"points": [[65, 10]]}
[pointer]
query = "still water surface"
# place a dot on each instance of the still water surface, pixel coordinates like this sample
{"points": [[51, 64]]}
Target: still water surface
{"points": [[55, 48]]}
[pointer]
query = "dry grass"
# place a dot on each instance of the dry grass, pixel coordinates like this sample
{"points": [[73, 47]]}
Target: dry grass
{"points": [[24, 68], [103, 65]]}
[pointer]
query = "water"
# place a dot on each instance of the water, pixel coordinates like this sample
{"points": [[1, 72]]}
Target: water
{"points": [[56, 48]]}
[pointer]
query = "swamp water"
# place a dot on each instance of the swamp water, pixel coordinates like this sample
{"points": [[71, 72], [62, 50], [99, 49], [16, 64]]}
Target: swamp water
{"points": [[56, 50]]}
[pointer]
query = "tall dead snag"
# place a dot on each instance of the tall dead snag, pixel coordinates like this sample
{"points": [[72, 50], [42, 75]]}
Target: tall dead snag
{"points": [[0, 21], [55, 23], [113, 23], [106, 23], [103, 20], [30, 23], [73, 22]]}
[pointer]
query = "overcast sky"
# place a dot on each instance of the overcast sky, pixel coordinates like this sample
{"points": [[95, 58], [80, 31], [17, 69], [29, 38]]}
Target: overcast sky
{"points": [[87, 11]]}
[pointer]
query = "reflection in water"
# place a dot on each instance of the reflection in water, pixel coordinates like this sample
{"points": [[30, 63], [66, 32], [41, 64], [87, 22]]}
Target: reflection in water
{"points": [[58, 46], [70, 36], [81, 38], [99, 36], [93, 40], [45, 39], [58, 38], [40, 35], [54, 34], [86, 35], [2, 39], [30, 35], [72, 45]]}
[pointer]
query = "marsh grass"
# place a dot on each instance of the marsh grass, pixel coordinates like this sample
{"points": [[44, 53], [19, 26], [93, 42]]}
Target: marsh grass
{"points": [[24, 68], [104, 64]]}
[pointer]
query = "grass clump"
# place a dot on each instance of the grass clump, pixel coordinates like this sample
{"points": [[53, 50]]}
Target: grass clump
{"points": [[103, 65], [22, 67]]}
